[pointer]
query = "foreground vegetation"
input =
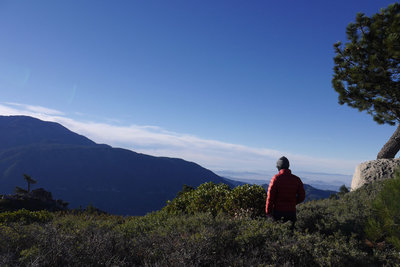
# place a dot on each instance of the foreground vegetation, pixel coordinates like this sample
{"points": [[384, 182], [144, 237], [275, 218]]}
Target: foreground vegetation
{"points": [[197, 230]]}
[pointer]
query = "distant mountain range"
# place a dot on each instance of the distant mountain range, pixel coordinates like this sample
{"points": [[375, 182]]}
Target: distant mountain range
{"points": [[79, 171], [312, 193], [324, 181]]}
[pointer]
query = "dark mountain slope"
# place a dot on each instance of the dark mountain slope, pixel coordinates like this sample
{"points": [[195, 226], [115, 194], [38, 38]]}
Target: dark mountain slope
{"points": [[313, 193], [18, 131], [79, 171]]}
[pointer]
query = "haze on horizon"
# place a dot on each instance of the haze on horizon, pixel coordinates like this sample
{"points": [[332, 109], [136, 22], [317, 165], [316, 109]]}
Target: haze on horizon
{"points": [[230, 85]]}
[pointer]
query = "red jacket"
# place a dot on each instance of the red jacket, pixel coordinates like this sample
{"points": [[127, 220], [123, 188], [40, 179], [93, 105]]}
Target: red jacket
{"points": [[285, 192]]}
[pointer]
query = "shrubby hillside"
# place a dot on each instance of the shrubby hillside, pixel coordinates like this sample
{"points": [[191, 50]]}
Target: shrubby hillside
{"points": [[212, 226]]}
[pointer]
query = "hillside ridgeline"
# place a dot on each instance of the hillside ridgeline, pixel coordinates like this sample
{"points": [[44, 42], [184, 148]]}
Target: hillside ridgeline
{"points": [[80, 171]]}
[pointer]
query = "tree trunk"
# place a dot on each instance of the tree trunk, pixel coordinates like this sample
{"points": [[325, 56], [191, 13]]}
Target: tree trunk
{"points": [[390, 149]]}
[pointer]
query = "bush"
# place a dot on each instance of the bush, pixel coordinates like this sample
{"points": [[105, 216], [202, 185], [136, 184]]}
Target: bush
{"points": [[216, 198], [384, 224], [347, 214], [247, 200], [329, 233], [25, 216]]}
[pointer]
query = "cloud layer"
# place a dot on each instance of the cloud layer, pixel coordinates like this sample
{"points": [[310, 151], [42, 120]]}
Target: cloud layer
{"points": [[153, 140]]}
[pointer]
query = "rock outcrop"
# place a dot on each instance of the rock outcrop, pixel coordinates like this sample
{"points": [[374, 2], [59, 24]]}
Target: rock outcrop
{"points": [[374, 170]]}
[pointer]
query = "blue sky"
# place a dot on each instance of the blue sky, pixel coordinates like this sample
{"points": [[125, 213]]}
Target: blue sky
{"points": [[231, 85]]}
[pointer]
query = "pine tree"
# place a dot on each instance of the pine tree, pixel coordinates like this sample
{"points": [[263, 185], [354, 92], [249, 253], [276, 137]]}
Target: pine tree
{"points": [[30, 181], [343, 189], [367, 70]]}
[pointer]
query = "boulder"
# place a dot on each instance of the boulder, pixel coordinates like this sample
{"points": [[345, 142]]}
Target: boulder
{"points": [[374, 170]]}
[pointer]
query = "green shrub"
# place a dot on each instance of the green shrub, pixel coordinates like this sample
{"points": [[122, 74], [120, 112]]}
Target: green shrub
{"points": [[26, 216], [208, 197], [384, 224], [347, 214], [328, 233], [245, 200]]}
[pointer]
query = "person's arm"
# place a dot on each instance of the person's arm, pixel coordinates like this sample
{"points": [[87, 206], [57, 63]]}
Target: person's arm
{"points": [[269, 206], [301, 194]]}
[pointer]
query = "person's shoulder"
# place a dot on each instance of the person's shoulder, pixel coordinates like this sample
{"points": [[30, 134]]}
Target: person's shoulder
{"points": [[296, 177], [275, 178]]}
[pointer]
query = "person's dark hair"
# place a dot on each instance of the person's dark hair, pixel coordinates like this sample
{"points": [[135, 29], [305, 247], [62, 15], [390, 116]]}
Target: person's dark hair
{"points": [[282, 163]]}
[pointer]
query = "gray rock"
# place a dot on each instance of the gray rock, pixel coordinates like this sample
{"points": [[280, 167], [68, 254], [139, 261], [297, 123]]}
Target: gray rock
{"points": [[374, 170]]}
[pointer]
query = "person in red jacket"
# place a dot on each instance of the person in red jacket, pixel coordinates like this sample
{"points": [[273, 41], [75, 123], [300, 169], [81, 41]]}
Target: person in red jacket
{"points": [[285, 191]]}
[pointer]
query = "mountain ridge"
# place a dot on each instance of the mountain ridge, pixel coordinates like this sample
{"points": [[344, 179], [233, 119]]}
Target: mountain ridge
{"points": [[36, 131], [80, 171]]}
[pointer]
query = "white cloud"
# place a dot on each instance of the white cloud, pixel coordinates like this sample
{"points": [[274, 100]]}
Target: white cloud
{"points": [[153, 140], [35, 109]]}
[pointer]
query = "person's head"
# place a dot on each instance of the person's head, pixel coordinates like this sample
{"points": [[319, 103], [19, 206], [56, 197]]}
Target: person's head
{"points": [[282, 163]]}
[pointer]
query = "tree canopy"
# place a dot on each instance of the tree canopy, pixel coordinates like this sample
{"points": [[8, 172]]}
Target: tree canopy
{"points": [[30, 181], [367, 67]]}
